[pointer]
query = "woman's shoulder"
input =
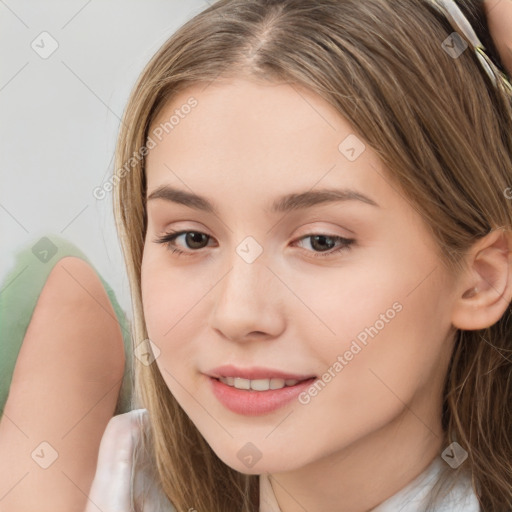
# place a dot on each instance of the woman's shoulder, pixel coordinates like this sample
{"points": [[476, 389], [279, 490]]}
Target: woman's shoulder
{"points": [[32, 267]]}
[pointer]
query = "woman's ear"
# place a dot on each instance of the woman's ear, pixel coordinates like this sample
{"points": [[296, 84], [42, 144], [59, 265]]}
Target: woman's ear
{"points": [[485, 289]]}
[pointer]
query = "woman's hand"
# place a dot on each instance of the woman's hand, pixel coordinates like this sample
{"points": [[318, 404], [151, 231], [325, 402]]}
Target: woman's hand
{"points": [[499, 19], [111, 487]]}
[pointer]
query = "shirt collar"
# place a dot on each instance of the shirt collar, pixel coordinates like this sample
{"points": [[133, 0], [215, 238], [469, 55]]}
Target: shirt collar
{"points": [[410, 498]]}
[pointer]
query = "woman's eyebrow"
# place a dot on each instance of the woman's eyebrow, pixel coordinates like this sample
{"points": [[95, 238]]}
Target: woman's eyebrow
{"points": [[286, 203]]}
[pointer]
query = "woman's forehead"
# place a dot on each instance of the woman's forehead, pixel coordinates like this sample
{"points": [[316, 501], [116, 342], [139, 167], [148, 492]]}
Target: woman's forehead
{"points": [[236, 99]]}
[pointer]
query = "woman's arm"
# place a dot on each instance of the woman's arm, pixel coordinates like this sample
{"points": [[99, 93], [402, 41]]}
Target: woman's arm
{"points": [[64, 391]]}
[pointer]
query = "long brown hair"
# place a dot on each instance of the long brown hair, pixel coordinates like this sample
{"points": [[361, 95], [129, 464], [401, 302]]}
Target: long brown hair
{"points": [[440, 126]]}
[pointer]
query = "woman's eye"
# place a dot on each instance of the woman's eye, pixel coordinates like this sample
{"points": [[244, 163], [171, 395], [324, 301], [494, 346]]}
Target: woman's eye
{"points": [[193, 239], [326, 244], [322, 245]]}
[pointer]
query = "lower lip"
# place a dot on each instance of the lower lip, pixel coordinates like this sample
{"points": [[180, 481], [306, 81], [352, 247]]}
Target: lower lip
{"points": [[254, 403]]}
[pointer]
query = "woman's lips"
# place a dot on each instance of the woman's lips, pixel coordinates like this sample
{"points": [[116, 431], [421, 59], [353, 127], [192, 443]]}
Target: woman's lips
{"points": [[253, 403], [254, 372]]}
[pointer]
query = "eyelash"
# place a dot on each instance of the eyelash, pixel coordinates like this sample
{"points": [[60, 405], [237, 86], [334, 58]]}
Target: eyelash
{"points": [[168, 241]]}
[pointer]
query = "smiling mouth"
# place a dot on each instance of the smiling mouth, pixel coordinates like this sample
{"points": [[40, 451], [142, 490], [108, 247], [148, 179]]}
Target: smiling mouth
{"points": [[259, 384], [254, 397]]}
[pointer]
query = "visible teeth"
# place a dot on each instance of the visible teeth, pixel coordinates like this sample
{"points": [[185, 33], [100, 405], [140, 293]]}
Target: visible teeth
{"points": [[277, 383], [242, 383], [257, 384], [260, 384]]}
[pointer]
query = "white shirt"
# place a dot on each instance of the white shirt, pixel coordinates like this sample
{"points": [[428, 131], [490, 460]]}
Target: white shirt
{"points": [[411, 498], [122, 471]]}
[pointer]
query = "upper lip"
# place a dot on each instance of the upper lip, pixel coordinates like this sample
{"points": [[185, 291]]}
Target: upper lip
{"points": [[255, 372]]}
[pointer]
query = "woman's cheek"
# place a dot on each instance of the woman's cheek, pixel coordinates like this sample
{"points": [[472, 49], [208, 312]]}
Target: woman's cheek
{"points": [[170, 305], [154, 300]]}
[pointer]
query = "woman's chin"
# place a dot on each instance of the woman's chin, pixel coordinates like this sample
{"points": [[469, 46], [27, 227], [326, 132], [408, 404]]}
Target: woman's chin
{"points": [[253, 464]]}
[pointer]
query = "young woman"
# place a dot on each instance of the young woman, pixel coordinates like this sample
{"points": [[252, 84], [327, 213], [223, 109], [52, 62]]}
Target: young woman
{"points": [[314, 199]]}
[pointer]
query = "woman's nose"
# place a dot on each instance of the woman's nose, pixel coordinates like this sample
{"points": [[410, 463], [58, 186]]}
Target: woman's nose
{"points": [[248, 300]]}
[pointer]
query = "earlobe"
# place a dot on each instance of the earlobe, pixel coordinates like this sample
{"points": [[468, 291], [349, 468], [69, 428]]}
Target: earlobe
{"points": [[485, 289]]}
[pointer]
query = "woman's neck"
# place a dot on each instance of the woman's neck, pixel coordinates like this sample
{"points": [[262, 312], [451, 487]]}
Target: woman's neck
{"points": [[360, 477]]}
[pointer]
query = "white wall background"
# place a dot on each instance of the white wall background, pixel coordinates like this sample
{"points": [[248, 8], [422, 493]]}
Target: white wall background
{"points": [[59, 116]]}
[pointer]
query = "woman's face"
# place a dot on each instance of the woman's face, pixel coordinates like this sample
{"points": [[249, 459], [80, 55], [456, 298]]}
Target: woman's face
{"points": [[265, 282]]}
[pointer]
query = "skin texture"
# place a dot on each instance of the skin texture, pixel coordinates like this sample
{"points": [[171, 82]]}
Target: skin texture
{"points": [[377, 424], [499, 17], [64, 391]]}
